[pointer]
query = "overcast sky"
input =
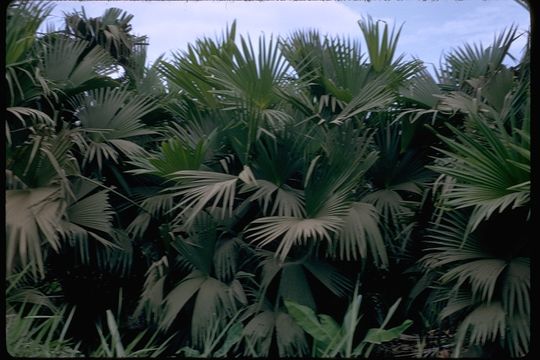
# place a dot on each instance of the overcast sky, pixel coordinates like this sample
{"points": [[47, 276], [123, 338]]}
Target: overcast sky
{"points": [[429, 26]]}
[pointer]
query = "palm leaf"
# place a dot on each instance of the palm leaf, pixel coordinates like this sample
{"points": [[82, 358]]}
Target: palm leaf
{"points": [[110, 117], [486, 180], [189, 70], [31, 214], [519, 335], [199, 247], [92, 212], [374, 96], [516, 288], [481, 274], [251, 78], [25, 112], [199, 188], [46, 158], [258, 334], [173, 156], [153, 292], [22, 23], [293, 285], [490, 291], [285, 200], [292, 231], [62, 63], [474, 61], [485, 323], [381, 48], [213, 298], [290, 337], [226, 258], [360, 232], [422, 89], [179, 296], [330, 277]]}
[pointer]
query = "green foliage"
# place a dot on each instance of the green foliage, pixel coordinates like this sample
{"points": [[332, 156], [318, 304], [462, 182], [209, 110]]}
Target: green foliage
{"points": [[331, 339], [29, 333], [237, 184], [111, 344], [486, 179]]}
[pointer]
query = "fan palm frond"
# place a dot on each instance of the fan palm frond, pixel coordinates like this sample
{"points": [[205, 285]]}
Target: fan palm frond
{"points": [[188, 70], [329, 66], [293, 284], [474, 61], [153, 291], [381, 48], [89, 215], [360, 235], [252, 78], [46, 158], [519, 335], [482, 274], [258, 334], [490, 177], [22, 113], [422, 89], [31, 213], [375, 95], [174, 155], [212, 297], [330, 277], [286, 200], [259, 331], [199, 247], [485, 323], [110, 117], [62, 63], [290, 338], [489, 291], [199, 188], [118, 257], [145, 79], [153, 206], [516, 288], [226, 258], [23, 21], [110, 32], [179, 296], [292, 231]]}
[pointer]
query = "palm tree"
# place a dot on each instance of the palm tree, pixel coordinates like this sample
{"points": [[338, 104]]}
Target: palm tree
{"points": [[60, 131], [274, 186], [250, 178], [484, 190], [44, 198]]}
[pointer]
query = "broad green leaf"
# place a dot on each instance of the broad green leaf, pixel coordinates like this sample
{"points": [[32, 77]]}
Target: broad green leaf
{"points": [[307, 319], [378, 336]]}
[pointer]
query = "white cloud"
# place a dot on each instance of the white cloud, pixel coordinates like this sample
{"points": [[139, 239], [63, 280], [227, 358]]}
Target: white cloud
{"points": [[186, 21], [429, 27], [171, 25], [479, 25]]}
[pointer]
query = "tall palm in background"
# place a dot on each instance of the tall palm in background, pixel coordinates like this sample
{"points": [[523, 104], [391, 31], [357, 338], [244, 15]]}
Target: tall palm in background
{"points": [[241, 175]]}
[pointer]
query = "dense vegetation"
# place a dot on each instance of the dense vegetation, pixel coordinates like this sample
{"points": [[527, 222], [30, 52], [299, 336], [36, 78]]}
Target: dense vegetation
{"points": [[298, 196]]}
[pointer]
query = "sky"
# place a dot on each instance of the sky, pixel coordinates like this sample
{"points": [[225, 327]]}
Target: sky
{"points": [[429, 26]]}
